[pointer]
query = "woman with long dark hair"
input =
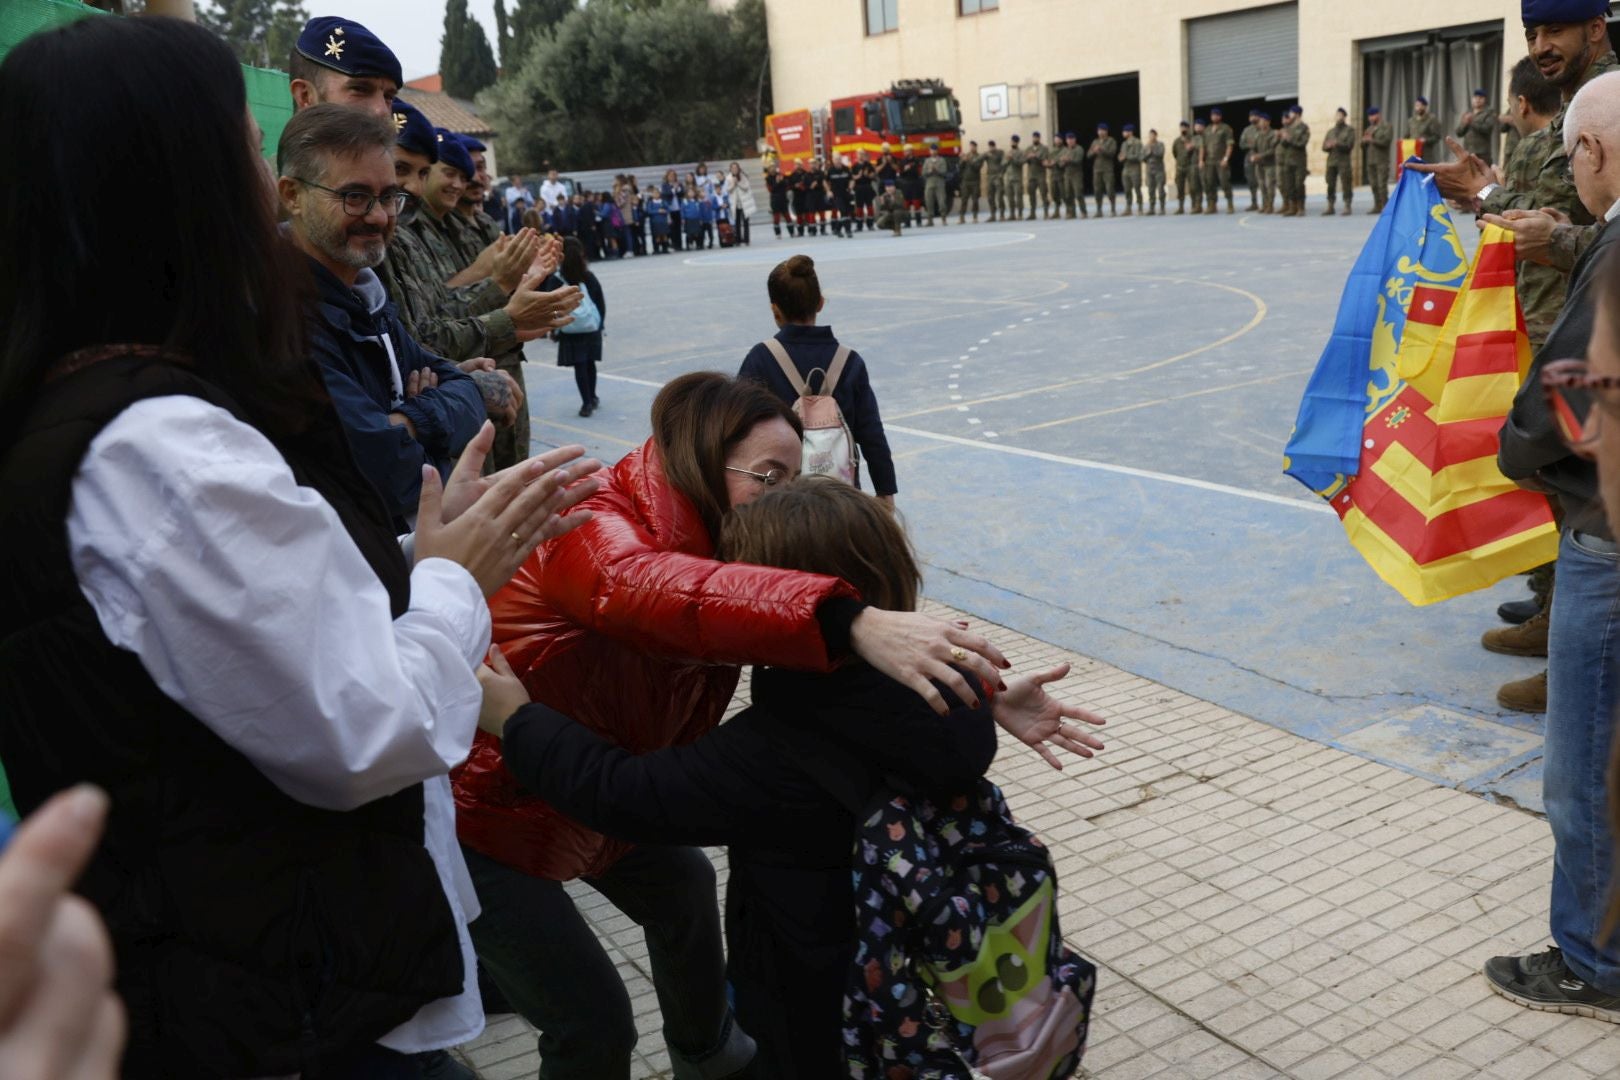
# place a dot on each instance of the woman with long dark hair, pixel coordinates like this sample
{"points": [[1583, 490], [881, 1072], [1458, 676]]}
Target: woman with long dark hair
{"points": [[581, 349], [206, 612]]}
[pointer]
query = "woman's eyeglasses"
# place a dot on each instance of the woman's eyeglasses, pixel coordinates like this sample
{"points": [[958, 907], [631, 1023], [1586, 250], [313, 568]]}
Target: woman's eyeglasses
{"points": [[1577, 400], [769, 479]]}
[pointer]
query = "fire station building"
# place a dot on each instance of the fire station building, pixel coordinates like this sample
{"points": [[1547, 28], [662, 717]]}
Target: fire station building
{"points": [[1017, 66]]}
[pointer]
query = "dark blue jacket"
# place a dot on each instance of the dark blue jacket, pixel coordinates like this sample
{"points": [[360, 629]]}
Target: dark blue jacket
{"points": [[351, 338], [812, 347]]}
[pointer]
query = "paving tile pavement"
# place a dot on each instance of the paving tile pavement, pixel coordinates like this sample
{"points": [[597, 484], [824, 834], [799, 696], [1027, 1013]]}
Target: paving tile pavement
{"points": [[1260, 905]]}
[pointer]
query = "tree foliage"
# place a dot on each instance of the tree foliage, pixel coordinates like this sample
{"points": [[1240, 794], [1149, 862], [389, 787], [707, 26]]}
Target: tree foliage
{"points": [[260, 32], [614, 84], [532, 17], [503, 34], [466, 62]]}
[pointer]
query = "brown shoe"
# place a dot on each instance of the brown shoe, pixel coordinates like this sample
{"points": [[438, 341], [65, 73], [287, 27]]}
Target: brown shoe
{"points": [[1529, 638], [1526, 695]]}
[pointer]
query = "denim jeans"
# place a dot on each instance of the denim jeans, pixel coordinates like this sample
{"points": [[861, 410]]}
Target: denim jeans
{"points": [[545, 958], [1583, 651]]}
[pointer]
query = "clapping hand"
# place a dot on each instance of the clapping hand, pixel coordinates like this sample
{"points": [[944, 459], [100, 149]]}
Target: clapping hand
{"points": [[512, 259], [1035, 718]]}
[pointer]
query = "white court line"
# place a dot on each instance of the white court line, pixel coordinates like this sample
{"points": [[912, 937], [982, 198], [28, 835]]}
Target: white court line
{"points": [[1078, 463]]}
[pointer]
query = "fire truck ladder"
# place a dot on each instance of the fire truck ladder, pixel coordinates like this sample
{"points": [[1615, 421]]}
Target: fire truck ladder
{"points": [[818, 130]]}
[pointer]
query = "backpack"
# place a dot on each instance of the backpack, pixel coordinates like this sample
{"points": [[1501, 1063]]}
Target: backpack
{"points": [[960, 970], [829, 445], [587, 319]]}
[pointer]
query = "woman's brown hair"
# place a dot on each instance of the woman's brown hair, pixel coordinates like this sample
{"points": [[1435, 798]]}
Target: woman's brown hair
{"points": [[696, 420], [795, 289], [824, 526]]}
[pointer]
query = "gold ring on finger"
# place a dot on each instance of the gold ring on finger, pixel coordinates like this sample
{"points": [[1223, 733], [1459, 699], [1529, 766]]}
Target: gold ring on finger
{"points": [[958, 654]]}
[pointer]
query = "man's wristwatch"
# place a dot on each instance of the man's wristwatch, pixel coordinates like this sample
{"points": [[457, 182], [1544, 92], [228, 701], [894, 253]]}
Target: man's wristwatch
{"points": [[1482, 194]]}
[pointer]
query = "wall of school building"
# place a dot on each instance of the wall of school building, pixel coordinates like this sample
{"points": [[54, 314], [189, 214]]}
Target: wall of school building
{"points": [[1069, 63]]}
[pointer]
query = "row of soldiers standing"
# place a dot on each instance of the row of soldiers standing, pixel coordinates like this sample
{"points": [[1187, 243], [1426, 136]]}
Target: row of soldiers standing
{"points": [[1052, 178]]}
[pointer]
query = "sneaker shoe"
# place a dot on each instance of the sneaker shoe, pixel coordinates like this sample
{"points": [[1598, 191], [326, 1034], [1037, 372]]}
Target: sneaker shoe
{"points": [[1542, 981], [1515, 612], [1524, 695], [1527, 639]]}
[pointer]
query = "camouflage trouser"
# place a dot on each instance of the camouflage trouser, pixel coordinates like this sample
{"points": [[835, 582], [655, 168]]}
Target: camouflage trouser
{"points": [[993, 194], [1132, 183], [1291, 182], [1035, 187], [512, 444], [969, 199], [892, 219], [1054, 187], [1102, 183], [1015, 192], [1266, 173], [1338, 176], [1186, 183], [1251, 176], [1074, 190], [1217, 179], [1195, 185], [1155, 187], [936, 199], [1378, 180]]}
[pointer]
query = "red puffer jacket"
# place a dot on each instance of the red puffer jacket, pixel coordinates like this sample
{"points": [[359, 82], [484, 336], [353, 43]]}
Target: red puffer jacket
{"points": [[628, 625]]}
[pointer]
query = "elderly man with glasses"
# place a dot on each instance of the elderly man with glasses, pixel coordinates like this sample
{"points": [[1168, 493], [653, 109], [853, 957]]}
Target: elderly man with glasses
{"points": [[1546, 445], [401, 406]]}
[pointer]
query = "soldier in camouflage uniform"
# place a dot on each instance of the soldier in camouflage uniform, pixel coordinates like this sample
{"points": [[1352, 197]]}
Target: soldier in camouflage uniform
{"points": [[969, 167], [935, 199], [1266, 141], [1131, 156], [485, 230], [1423, 125], [995, 165], [1038, 158], [1103, 151], [1013, 182], [1251, 174], [1477, 128], [1071, 164], [1185, 151], [1296, 139], [1154, 153], [1218, 141], [1378, 138], [1337, 144]]}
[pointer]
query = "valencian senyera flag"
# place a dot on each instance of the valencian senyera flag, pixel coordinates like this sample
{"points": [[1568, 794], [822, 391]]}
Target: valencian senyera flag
{"points": [[1398, 427]]}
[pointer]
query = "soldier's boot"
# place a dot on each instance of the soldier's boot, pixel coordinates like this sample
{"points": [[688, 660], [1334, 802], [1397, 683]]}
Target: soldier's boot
{"points": [[1127, 204], [1229, 208], [1329, 212], [1113, 206], [1254, 203], [1181, 205], [1525, 695], [1031, 216], [1346, 212]]}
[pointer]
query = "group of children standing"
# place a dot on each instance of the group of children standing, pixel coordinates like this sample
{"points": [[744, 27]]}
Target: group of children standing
{"points": [[701, 211]]}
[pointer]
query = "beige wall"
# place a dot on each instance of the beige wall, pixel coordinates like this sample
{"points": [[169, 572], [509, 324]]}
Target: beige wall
{"points": [[820, 50]]}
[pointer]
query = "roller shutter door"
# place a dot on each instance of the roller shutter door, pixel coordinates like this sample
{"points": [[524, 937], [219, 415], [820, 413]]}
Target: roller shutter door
{"points": [[1246, 54]]}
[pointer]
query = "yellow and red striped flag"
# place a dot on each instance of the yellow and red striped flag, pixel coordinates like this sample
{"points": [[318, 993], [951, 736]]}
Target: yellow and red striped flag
{"points": [[1428, 509], [1406, 150]]}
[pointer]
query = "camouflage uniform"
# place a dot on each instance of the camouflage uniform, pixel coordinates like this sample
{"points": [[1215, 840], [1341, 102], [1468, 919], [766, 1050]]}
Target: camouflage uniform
{"points": [[891, 210], [968, 179], [1185, 150], [1131, 154], [1337, 143], [995, 164], [444, 238], [935, 198], [1071, 163], [1013, 186], [1265, 167], [1035, 191], [1541, 288], [1427, 128], [1246, 140], [1103, 151], [1155, 177], [455, 323], [1477, 130], [1217, 164], [1380, 138], [1296, 138]]}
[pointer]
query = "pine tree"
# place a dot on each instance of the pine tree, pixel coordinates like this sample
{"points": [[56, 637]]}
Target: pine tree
{"points": [[466, 62], [503, 36], [261, 32]]}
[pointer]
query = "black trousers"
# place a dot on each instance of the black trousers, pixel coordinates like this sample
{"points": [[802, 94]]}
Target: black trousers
{"points": [[585, 380]]}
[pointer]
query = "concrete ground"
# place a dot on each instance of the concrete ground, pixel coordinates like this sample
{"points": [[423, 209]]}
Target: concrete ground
{"points": [[1307, 832]]}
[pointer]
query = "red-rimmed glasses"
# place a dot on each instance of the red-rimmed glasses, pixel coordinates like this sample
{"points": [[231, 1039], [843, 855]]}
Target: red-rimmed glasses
{"points": [[1572, 390]]}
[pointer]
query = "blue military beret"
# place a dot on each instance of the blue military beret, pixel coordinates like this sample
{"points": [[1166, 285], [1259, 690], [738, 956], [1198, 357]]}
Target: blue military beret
{"points": [[1128, 127], [1262, 114], [1421, 100], [412, 130], [344, 45], [1015, 138], [1070, 135], [1295, 110], [1102, 127], [1541, 12], [472, 144], [1480, 93], [1034, 134], [1216, 112], [1186, 123], [1373, 110], [454, 153]]}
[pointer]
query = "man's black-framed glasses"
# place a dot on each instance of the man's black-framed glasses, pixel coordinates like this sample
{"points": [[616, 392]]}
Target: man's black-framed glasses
{"points": [[1572, 390], [769, 479], [358, 203]]}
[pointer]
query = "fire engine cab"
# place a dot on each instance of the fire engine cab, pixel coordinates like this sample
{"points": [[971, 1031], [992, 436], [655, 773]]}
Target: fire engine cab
{"points": [[911, 115]]}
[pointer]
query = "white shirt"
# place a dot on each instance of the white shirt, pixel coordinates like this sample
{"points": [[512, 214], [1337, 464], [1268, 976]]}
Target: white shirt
{"points": [[551, 191], [251, 607]]}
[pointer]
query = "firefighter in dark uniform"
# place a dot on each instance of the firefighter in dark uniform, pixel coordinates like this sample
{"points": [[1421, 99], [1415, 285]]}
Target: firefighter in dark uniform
{"points": [[911, 186], [777, 185], [839, 178], [865, 190], [816, 200]]}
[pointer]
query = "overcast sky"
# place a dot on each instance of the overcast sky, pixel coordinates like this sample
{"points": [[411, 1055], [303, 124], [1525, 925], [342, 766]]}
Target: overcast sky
{"points": [[412, 28]]}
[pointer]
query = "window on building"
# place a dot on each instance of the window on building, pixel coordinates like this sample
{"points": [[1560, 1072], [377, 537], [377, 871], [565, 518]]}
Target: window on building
{"points": [[844, 120], [882, 16], [973, 7]]}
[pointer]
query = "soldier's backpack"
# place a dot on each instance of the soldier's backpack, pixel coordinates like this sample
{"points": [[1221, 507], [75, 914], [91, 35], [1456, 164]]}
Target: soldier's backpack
{"points": [[960, 971], [829, 445]]}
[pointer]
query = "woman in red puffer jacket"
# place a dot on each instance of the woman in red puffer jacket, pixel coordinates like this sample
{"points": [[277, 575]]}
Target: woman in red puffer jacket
{"points": [[631, 627]]}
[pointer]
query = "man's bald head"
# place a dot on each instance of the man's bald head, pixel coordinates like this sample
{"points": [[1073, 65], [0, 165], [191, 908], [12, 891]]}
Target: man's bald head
{"points": [[1592, 142]]}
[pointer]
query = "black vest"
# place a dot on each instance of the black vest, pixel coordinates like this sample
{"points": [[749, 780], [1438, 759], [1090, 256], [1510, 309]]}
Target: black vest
{"points": [[255, 935]]}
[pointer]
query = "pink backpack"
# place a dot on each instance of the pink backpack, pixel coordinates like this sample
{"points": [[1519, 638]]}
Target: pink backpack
{"points": [[829, 446]]}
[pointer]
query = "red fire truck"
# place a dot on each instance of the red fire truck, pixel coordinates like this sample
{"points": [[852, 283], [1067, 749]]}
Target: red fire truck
{"points": [[910, 115]]}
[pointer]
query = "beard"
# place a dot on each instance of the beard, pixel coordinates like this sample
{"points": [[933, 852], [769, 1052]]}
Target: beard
{"points": [[334, 240]]}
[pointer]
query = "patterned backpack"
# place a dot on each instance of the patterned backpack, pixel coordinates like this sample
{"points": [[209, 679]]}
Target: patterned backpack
{"points": [[829, 445], [960, 971]]}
